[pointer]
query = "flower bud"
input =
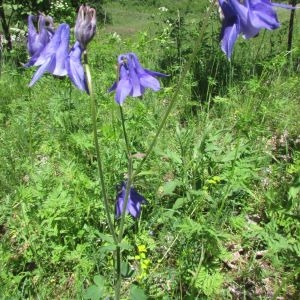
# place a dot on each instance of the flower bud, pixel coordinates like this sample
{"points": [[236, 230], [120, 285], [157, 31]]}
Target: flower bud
{"points": [[85, 26]]}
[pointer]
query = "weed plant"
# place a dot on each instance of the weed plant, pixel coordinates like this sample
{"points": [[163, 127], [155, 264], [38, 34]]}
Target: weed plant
{"points": [[222, 183]]}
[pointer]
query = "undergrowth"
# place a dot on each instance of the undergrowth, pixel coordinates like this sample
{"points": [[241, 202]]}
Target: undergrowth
{"points": [[223, 183]]}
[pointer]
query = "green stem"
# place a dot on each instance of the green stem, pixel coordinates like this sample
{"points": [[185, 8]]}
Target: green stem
{"points": [[122, 222], [118, 274], [70, 107], [124, 132], [174, 97], [96, 141], [30, 127], [129, 178], [121, 231]]}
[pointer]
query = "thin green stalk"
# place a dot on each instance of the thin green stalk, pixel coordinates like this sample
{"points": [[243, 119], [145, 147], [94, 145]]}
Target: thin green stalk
{"points": [[260, 47], [30, 127], [118, 274], [174, 97], [69, 106], [99, 160], [129, 178], [124, 132], [121, 232], [122, 221], [196, 274]]}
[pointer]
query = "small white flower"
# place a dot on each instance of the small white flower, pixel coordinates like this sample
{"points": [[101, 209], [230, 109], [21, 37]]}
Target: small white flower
{"points": [[163, 9]]}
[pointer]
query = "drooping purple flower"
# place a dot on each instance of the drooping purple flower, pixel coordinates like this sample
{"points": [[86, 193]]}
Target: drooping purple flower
{"points": [[246, 17], [230, 28], [85, 26], [56, 59], [52, 58], [135, 200], [133, 79], [38, 37]]}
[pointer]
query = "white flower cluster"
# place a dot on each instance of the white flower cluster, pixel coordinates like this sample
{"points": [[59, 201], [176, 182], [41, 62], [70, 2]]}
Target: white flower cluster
{"points": [[59, 5], [163, 9], [116, 37]]}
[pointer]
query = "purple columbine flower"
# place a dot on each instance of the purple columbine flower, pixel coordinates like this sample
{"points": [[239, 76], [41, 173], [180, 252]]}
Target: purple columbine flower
{"points": [[134, 202], [133, 79], [38, 37], [56, 59], [246, 17]]}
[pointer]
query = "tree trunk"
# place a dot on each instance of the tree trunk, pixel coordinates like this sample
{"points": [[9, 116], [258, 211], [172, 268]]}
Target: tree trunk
{"points": [[5, 26]]}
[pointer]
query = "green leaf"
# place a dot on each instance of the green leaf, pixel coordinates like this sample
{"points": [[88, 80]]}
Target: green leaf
{"points": [[229, 156], [99, 280], [137, 293], [125, 246], [108, 248], [179, 203], [147, 173], [170, 186], [173, 156], [93, 293], [106, 237], [97, 290], [126, 270]]}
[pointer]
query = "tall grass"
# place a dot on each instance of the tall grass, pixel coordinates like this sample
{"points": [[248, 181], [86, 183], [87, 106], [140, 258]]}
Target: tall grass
{"points": [[222, 182]]}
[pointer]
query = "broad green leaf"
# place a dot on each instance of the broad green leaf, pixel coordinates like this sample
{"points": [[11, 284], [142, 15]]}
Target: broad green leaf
{"points": [[146, 173], [170, 186], [126, 270], [106, 237], [137, 293], [97, 290], [99, 280], [179, 203], [125, 246], [93, 292], [108, 248]]}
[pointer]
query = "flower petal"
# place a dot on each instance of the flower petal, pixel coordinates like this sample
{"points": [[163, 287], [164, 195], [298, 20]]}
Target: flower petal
{"points": [[124, 88], [134, 205], [119, 203], [229, 35], [240, 10], [53, 57], [134, 202], [61, 52], [113, 87], [75, 68], [148, 81], [37, 41], [134, 79], [58, 46], [134, 208], [49, 64], [157, 74], [262, 15], [32, 42]]}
